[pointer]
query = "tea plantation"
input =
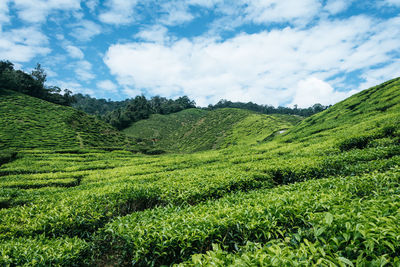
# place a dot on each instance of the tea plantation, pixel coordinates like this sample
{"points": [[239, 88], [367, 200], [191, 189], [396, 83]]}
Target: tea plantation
{"points": [[27, 122], [325, 192], [196, 130]]}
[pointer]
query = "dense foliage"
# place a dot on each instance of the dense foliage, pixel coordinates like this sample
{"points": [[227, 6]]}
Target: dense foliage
{"points": [[267, 109], [32, 84], [28, 122], [94, 106], [7, 156], [140, 108], [325, 192], [122, 114]]}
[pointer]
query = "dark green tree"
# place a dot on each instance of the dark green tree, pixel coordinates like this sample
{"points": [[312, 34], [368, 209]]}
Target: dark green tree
{"points": [[39, 74], [32, 84]]}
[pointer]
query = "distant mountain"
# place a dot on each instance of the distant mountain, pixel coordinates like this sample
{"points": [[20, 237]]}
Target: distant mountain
{"points": [[27, 122], [195, 129]]}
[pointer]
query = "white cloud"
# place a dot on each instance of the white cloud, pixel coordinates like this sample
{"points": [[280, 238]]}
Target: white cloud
{"points": [[38, 10], [265, 67], [204, 3], [376, 76], [59, 37], [85, 30], [337, 6], [92, 4], [265, 11], [107, 85], [176, 13], [22, 45], [83, 70], [50, 73], [74, 86], [382, 40], [119, 12], [392, 2], [4, 16], [255, 11], [313, 90], [156, 33], [74, 52]]}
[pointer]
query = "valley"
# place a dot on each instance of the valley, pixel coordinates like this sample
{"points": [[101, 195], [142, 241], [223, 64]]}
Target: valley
{"points": [[226, 187]]}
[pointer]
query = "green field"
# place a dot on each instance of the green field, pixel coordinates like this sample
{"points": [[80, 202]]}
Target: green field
{"points": [[28, 122], [196, 130], [324, 192]]}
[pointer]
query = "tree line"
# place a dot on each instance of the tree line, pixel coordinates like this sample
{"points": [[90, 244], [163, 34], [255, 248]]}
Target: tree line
{"points": [[32, 84], [120, 114], [267, 109], [140, 108]]}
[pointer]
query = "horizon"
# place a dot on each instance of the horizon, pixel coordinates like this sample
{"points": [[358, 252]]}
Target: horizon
{"points": [[279, 53]]}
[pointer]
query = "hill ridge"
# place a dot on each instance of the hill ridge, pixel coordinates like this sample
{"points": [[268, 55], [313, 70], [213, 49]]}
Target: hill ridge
{"points": [[196, 130], [28, 122]]}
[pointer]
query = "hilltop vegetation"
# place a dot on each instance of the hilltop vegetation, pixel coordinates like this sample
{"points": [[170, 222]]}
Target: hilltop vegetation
{"points": [[325, 192], [32, 84], [27, 122], [267, 109], [195, 129], [140, 108], [94, 106]]}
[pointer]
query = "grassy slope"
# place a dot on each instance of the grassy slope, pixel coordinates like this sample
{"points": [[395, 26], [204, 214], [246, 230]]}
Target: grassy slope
{"points": [[324, 193], [196, 130], [363, 114], [27, 122]]}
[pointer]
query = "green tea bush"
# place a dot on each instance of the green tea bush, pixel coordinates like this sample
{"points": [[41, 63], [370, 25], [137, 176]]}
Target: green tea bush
{"points": [[43, 251], [363, 231], [169, 235], [298, 197], [358, 142], [7, 156]]}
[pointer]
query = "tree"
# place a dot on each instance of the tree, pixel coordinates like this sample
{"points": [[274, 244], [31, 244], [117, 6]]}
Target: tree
{"points": [[6, 66], [138, 109], [157, 104], [39, 74], [32, 84], [318, 108], [185, 103], [266, 109]]}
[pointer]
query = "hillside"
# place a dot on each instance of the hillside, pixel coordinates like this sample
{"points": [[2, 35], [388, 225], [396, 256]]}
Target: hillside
{"points": [[195, 130], [324, 193], [363, 116], [27, 122]]}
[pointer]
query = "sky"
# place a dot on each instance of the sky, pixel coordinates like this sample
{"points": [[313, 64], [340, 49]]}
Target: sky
{"points": [[275, 52]]}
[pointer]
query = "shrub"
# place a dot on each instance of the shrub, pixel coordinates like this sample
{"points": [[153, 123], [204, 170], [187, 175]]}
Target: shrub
{"points": [[359, 142], [7, 156]]}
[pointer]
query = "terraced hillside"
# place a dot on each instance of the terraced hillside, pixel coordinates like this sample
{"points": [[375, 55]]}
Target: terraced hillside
{"points": [[360, 116], [27, 122], [326, 192], [195, 130]]}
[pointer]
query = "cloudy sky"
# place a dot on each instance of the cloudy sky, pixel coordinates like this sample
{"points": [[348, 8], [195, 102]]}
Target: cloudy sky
{"points": [[277, 52]]}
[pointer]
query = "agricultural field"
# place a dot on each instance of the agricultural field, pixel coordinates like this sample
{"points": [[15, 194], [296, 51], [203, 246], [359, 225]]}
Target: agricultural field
{"points": [[195, 130], [27, 122], [324, 192]]}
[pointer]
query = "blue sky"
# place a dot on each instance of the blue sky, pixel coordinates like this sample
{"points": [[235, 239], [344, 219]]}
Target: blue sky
{"points": [[277, 52]]}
